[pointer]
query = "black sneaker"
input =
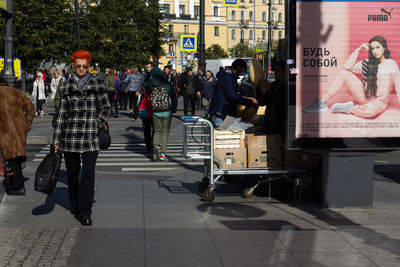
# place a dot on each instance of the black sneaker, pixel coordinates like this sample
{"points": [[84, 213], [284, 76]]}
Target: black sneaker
{"points": [[16, 192]]}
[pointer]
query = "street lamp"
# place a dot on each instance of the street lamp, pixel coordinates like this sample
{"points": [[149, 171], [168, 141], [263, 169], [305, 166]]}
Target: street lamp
{"points": [[78, 32], [9, 73]]}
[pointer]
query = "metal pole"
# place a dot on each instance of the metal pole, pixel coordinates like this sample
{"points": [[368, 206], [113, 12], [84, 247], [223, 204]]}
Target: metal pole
{"points": [[227, 32], [9, 73], [202, 46], [78, 31], [269, 37]]}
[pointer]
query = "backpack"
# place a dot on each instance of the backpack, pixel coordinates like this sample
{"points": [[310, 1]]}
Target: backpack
{"points": [[159, 99], [145, 107]]}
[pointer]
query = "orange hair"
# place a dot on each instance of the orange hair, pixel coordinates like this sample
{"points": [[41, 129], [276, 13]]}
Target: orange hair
{"points": [[81, 54]]}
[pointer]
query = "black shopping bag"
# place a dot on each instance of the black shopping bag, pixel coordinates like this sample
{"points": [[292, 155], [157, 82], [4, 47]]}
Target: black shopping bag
{"points": [[47, 173], [104, 137]]}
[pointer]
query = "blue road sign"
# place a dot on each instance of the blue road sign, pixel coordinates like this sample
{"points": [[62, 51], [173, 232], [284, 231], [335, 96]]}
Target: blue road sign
{"points": [[230, 3], [172, 53], [189, 43]]}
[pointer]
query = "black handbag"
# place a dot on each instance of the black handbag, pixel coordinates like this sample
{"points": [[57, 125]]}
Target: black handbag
{"points": [[48, 171], [104, 137]]}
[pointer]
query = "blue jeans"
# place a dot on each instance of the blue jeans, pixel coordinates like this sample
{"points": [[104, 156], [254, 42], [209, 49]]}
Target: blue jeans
{"points": [[217, 121]]}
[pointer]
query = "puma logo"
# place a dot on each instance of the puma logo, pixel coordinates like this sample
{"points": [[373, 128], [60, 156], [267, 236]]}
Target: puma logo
{"points": [[387, 12]]}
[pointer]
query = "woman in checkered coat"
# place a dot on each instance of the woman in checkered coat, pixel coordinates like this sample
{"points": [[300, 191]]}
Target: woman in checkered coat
{"points": [[84, 107]]}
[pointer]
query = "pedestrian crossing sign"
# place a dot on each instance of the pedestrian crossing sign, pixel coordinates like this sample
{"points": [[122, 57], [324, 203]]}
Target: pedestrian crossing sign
{"points": [[189, 43], [230, 3]]}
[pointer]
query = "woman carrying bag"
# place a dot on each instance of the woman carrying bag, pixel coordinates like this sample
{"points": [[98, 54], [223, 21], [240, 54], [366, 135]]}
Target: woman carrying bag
{"points": [[84, 107]]}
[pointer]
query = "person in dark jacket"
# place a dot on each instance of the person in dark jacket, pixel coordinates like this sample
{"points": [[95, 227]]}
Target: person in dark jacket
{"points": [[83, 111], [148, 129], [162, 119], [188, 91], [207, 89], [225, 98], [123, 84], [274, 98]]}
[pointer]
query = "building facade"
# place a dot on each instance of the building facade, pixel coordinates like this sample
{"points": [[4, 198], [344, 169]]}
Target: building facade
{"points": [[227, 26]]}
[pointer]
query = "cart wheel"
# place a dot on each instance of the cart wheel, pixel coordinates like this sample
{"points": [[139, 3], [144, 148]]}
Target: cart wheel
{"points": [[294, 193], [204, 184], [248, 193], [208, 195]]}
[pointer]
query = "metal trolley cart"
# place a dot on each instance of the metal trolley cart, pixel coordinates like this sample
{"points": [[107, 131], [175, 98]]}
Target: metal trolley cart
{"points": [[198, 144]]}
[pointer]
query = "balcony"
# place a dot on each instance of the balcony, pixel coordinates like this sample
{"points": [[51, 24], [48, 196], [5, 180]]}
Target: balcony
{"points": [[170, 16], [174, 36]]}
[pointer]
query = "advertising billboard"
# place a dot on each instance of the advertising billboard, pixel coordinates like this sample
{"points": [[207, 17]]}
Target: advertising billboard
{"points": [[3, 4], [347, 69]]}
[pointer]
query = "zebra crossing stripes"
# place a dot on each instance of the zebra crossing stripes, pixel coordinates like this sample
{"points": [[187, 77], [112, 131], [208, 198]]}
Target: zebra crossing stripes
{"points": [[133, 157]]}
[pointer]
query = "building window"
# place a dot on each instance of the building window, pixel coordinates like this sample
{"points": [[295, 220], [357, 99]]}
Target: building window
{"points": [[233, 15], [251, 1], [263, 35], [170, 48], [216, 31], [272, 36], [167, 8], [196, 11], [241, 34], [216, 11], [251, 35], [251, 15], [272, 16], [242, 15], [241, 1], [181, 9], [264, 1], [280, 17], [264, 16], [280, 35], [186, 28], [280, 2], [170, 29], [233, 35]]}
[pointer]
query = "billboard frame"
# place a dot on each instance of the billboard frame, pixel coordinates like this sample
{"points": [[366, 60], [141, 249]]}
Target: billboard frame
{"points": [[317, 143]]}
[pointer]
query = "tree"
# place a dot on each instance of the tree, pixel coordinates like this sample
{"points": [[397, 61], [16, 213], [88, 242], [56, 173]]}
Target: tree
{"points": [[122, 33], [242, 50], [43, 31], [215, 51]]}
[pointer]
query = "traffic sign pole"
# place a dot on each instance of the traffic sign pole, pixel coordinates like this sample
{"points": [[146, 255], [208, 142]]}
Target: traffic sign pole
{"points": [[9, 73], [202, 50]]}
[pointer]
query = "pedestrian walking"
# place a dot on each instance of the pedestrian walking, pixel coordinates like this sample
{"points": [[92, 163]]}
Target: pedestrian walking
{"points": [[188, 91], [163, 104], [207, 89], [54, 83], [83, 111], [110, 83], [147, 123], [134, 80], [38, 96], [17, 113], [123, 89]]}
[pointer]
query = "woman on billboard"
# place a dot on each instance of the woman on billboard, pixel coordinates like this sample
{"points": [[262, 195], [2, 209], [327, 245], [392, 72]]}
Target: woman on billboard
{"points": [[371, 95]]}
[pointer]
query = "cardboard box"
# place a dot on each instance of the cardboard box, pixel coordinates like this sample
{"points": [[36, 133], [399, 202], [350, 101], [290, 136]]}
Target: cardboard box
{"points": [[263, 150], [294, 158], [231, 158], [228, 139]]}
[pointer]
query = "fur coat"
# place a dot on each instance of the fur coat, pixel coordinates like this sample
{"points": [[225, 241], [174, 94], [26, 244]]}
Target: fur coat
{"points": [[16, 115]]}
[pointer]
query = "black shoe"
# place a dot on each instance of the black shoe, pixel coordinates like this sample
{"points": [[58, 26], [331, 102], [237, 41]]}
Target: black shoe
{"points": [[16, 192], [86, 221], [74, 207]]}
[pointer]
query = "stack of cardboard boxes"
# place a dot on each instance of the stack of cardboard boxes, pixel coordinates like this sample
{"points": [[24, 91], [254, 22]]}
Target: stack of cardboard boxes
{"points": [[240, 150]]}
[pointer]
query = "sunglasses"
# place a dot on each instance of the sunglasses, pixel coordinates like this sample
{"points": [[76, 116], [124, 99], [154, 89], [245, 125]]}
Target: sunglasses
{"points": [[78, 66]]}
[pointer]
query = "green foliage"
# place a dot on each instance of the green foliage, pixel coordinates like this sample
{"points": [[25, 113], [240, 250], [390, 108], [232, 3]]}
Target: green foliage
{"points": [[43, 31], [242, 50], [215, 51], [117, 33], [122, 33]]}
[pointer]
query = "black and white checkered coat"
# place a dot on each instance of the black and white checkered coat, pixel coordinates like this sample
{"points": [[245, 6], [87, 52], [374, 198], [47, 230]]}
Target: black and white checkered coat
{"points": [[80, 116]]}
